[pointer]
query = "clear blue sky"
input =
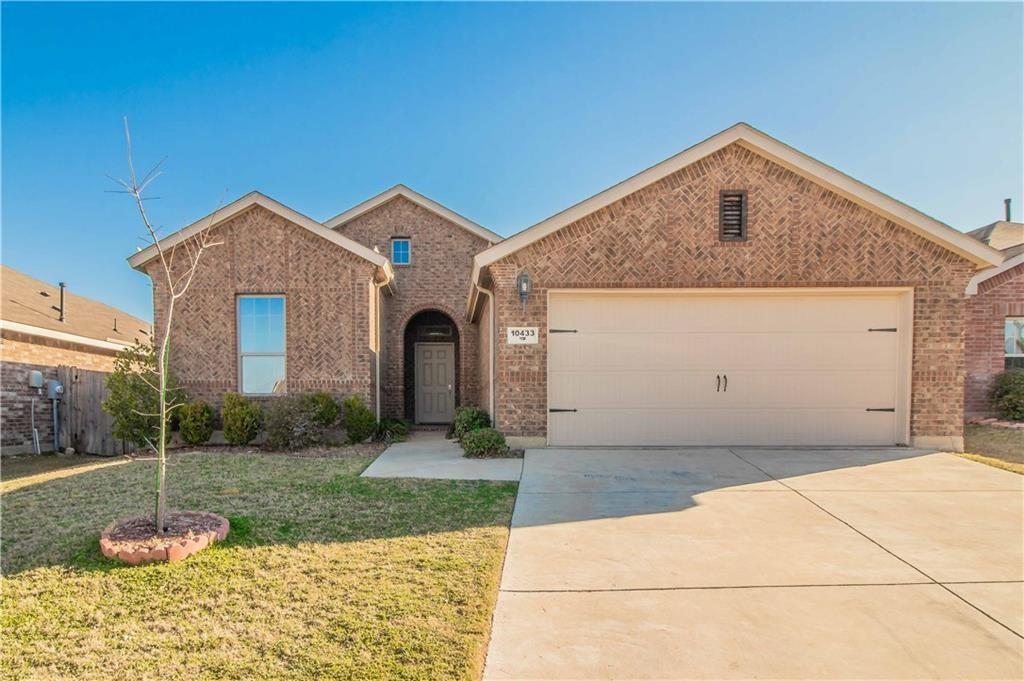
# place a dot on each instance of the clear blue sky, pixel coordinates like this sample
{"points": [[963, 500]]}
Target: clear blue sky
{"points": [[505, 113]]}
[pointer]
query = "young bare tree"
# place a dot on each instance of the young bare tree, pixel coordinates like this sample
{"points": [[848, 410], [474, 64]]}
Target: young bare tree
{"points": [[176, 279]]}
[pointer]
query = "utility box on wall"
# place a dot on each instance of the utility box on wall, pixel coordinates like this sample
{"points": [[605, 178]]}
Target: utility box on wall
{"points": [[54, 389]]}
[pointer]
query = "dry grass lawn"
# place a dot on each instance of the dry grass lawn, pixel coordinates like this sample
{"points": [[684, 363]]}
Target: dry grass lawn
{"points": [[999, 447], [324, 574]]}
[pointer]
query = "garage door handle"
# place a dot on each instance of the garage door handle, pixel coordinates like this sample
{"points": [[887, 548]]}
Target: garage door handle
{"points": [[719, 388]]}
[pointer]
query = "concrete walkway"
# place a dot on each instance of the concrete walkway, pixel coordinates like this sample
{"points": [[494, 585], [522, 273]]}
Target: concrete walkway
{"points": [[754, 563], [427, 454]]}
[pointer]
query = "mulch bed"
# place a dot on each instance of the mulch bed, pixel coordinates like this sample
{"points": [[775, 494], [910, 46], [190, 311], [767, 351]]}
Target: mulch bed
{"points": [[997, 423], [135, 541]]}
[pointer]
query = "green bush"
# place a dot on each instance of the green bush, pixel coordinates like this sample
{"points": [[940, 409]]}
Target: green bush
{"points": [[392, 430], [195, 422], [323, 408], [1007, 394], [293, 422], [360, 423], [241, 419], [484, 442], [466, 420], [130, 397]]}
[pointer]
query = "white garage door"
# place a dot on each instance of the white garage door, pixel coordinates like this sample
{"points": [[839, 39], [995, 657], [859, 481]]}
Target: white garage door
{"points": [[719, 368]]}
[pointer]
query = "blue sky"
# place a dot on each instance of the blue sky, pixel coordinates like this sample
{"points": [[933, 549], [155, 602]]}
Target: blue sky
{"points": [[504, 113]]}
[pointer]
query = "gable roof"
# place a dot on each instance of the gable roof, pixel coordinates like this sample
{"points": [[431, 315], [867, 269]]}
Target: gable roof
{"points": [[1008, 264], [1003, 235], [28, 306], [433, 206], [774, 150], [139, 260]]}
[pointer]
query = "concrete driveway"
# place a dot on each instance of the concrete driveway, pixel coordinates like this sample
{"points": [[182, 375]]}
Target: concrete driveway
{"points": [[761, 563]]}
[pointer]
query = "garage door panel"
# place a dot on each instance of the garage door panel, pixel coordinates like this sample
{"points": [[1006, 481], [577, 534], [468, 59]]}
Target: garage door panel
{"points": [[641, 368]]}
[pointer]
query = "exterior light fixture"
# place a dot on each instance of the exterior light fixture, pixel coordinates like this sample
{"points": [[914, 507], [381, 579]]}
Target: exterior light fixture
{"points": [[524, 286]]}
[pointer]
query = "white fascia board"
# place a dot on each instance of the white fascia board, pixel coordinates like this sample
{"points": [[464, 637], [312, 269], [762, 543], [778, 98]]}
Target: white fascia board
{"points": [[63, 336], [251, 199], [420, 200], [776, 151], [985, 275]]}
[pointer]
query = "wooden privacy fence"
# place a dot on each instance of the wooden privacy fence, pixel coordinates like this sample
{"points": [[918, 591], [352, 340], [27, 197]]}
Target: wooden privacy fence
{"points": [[84, 425]]}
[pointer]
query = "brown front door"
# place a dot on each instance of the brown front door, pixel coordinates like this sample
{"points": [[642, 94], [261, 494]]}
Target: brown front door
{"points": [[435, 382]]}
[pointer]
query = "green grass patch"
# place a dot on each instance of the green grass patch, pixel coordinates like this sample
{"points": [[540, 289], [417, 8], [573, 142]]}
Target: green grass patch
{"points": [[324, 574]]}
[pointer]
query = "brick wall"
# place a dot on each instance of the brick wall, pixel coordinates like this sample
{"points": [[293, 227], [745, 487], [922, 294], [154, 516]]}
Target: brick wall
{"points": [[436, 279], [22, 354], [800, 234], [327, 309], [1000, 297]]}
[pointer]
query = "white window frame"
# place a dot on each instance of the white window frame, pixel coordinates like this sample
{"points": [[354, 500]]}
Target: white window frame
{"points": [[238, 339], [1006, 320], [407, 240]]}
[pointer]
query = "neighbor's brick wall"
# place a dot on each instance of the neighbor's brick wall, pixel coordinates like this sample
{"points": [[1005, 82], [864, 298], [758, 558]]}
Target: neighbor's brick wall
{"points": [[484, 359], [326, 309], [436, 279], [20, 354], [1000, 297], [666, 236]]}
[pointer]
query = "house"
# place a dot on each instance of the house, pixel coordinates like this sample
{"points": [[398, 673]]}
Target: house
{"points": [[995, 314], [42, 327], [739, 292]]}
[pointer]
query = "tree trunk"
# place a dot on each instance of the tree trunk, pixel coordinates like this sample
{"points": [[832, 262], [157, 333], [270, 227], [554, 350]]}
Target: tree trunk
{"points": [[161, 455]]}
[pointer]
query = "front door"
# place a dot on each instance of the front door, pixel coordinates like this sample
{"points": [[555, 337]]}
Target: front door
{"points": [[435, 382]]}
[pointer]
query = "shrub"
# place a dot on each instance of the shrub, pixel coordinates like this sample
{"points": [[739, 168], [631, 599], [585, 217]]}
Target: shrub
{"points": [[195, 422], [293, 423], [1007, 394], [323, 408], [468, 419], [484, 442], [392, 430], [359, 421], [241, 419], [130, 397]]}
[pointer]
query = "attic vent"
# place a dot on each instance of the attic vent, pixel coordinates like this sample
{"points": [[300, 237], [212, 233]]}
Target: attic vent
{"points": [[732, 215]]}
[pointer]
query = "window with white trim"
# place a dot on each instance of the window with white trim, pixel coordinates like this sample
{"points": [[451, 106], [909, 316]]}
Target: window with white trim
{"points": [[261, 345], [401, 251], [1014, 343]]}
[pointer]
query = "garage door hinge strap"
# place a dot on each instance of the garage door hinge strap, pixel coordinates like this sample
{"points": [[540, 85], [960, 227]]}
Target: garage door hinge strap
{"points": [[562, 331], [887, 330], [558, 411], [880, 409]]}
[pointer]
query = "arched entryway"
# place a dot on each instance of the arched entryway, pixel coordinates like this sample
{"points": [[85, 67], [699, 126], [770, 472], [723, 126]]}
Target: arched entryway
{"points": [[431, 354]]}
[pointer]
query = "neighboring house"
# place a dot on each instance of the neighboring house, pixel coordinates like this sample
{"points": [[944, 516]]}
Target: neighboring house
{"points": [[995, 315], [43, 327], [738, 293]]}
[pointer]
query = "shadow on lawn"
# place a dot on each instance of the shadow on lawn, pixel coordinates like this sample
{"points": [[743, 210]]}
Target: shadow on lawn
{"points": [[270, 500]]}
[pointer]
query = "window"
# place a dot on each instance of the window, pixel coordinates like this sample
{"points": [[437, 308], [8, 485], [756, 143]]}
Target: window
{"points": [[401, 251], [1014, 342], [261, 345], [732, 215]]}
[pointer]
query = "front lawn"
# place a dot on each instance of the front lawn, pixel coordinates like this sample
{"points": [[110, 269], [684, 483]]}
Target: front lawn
{"points": [[999, 447], [324, 574]]}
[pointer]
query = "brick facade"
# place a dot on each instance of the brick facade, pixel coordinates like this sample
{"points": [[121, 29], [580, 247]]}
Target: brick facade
{"points": [[1000, 297], [327, 308], [436, 279], [22, 354], [800, 234]]}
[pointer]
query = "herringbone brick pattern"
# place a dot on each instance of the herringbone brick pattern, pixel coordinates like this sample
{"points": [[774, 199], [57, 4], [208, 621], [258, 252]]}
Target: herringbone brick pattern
{"points": [[327, 309], [799, 234]]}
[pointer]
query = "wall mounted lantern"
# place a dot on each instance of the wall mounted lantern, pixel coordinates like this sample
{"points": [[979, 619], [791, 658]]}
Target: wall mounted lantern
{"points": [[524, 286]]}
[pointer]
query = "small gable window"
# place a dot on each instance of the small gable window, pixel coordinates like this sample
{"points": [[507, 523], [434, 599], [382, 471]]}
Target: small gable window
{"points": [[401, 250], [732, 215]]}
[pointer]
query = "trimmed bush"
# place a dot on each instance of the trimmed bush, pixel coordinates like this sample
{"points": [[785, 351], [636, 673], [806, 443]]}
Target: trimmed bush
{"points": [[1007, 394], [466, 420], [130, 398], [323, 408], [484, 442], [392, 430], [241, 419], [291, 423], [360, 423], [195, 422]]}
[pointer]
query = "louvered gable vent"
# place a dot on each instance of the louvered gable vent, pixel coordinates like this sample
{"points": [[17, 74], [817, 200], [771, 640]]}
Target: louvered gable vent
{"points": [[732, 215]]}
